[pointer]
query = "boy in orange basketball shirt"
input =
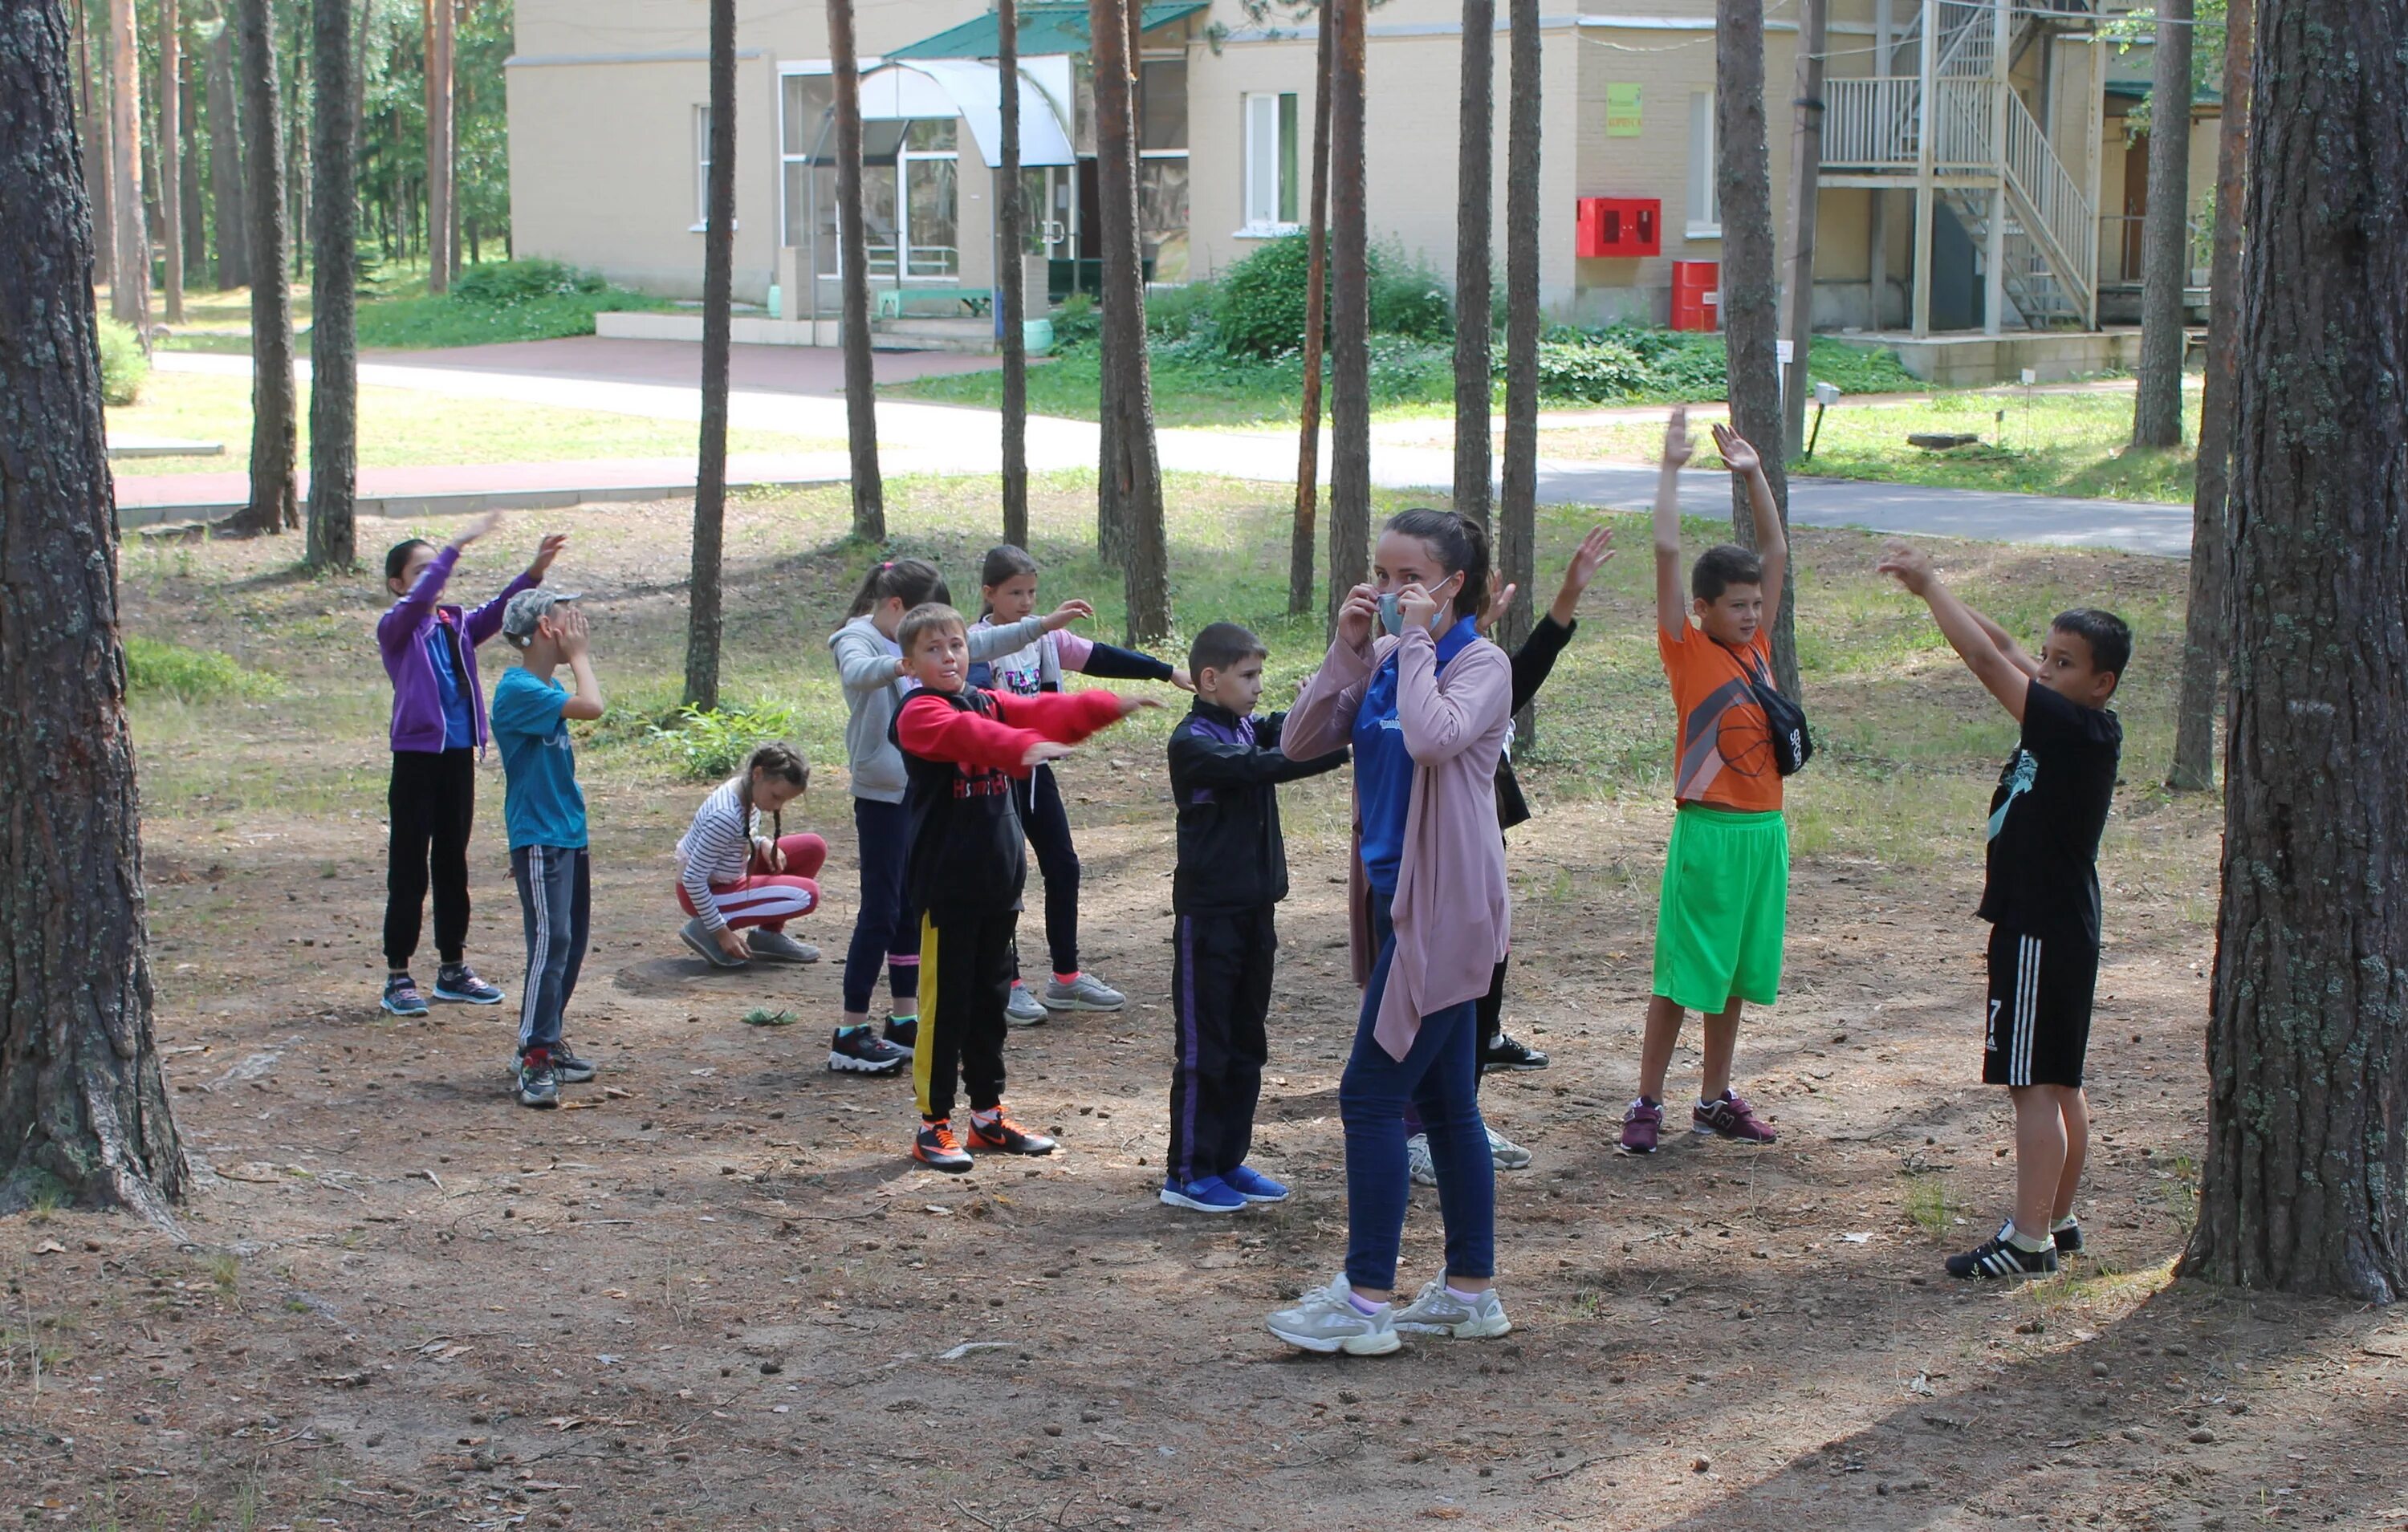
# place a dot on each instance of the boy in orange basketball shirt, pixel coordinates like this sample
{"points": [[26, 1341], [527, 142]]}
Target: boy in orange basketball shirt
{"points": [[1726, 896]]}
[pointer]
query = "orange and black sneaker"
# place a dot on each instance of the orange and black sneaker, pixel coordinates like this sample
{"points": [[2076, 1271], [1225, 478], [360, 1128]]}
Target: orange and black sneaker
{"points": [[992, 1132], [936, 1147]]}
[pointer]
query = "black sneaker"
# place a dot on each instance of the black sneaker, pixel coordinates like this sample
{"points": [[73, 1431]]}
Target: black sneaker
{"points": [[936, 1147], [903, 1033], [1507, 1053], [1000, 1134], [538, 1085], [571, 1069], [1998, 1257], [2068, 1237], [857, 1050]]}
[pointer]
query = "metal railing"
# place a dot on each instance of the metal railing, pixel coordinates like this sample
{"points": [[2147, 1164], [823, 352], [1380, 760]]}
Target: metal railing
{"points": [[1872, 123], [2063, 213]]}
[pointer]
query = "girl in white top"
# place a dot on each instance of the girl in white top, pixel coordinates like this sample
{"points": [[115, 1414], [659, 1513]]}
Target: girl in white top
{"points": [[731, 880]]}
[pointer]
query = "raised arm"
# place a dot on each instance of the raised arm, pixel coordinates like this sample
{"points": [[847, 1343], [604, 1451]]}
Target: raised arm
{"points": [[2007, 644], [1966, 630], [1323, 716], [1671, 609], [586, 703], [1772, 542]]}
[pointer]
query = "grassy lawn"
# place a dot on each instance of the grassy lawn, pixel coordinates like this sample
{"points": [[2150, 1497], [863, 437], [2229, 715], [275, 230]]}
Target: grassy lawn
{"points": [[2072, 444], [1197, 386], [397, 313], [403, 426]]}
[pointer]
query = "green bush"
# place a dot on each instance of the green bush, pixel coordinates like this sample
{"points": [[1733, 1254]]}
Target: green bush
{"points": [[153, 668], [515, 281], [1076, 323], [1260, 305], [1409, 299], [123, 368], [1173, 313], [707, 746]]}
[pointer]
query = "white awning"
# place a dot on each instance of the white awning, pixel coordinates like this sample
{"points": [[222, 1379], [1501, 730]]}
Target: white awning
{"points": [[972, 89]]}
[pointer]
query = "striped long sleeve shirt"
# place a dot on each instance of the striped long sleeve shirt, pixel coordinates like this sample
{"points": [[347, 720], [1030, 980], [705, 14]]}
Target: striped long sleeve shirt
{"points": [[716, 848]]}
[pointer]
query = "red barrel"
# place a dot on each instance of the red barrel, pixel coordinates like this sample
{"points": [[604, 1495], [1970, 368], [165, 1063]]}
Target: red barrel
{"points": [[1696, 300]]}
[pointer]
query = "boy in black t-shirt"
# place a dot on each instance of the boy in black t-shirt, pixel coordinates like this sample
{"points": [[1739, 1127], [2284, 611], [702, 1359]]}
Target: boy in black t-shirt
{"points": [[2041, 897]]}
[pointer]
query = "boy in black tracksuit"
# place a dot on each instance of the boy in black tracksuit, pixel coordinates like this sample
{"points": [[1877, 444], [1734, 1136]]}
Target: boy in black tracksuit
{"points": [[962, 749], [1225, 767]]}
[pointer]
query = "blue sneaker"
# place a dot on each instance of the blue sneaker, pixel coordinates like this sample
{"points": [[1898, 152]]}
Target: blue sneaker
{"points": [[401, 996], [1210, 1195], [1253, 1185]]}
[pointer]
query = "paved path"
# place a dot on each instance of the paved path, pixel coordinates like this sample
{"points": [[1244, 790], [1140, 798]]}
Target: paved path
{"points": [[782, 394]]}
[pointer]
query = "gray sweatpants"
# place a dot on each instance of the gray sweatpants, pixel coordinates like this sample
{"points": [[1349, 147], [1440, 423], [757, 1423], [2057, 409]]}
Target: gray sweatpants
{"points": [[556, 900]]}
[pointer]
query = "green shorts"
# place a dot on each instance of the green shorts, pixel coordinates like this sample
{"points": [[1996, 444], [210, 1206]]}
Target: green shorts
{"points": [[1725, 905]]}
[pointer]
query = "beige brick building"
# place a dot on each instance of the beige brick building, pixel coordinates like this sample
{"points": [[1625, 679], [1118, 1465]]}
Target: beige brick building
{"points": [[1943, 116]]}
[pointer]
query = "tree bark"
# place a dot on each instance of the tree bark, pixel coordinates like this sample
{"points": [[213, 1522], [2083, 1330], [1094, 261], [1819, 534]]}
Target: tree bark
{"points": [[1350, 300], [171, 192], [1475, 185], [230, 215], [852, 241], [2165, 235], [2206, 625], [1012, 301], [1316, 332], [334, 345], [440, 49], [703, 609], [1750, 289], [93, 119], [129, 289], [1130, 482], [273, 428], [83, 1109], [1518, 500], [1805, 175], [194, 216], [2305, 1185]]}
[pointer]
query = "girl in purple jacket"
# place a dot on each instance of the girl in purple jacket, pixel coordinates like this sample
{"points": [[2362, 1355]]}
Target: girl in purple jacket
{"points": [[438, 730]]}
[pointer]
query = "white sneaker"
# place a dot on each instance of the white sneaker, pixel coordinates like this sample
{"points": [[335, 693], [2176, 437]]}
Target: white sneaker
{"points": [[1021, 1010], [1325, 1319], [1417, 1160], [1507, 1154], [1438, 1311]]}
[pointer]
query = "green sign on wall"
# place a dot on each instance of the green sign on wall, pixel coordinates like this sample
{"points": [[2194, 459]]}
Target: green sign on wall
{"points": [[1621, 108]]}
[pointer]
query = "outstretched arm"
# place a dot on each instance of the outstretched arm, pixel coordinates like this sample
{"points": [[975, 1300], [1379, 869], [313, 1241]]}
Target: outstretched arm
{"points": [[1966, 629], [1671, 611], [2007, 644], [1772, 542], [1066, 718]]}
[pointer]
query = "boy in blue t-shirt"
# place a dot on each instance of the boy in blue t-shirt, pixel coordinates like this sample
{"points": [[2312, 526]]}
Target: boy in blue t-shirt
{"points": [[545, 812]]}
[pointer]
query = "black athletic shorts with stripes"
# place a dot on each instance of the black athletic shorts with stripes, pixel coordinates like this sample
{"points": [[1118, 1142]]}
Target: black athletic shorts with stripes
{"points": [[2040, 991]]}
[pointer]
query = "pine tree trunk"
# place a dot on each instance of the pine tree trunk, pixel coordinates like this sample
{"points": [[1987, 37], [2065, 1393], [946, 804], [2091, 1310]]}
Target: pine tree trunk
{"points": [[1012, 266], [195, 216], [2165, 235], [2206, 625], [1475, 181], [703, 608], [1316, 333], [853, 242], [439, 144], [83, 1109], [2305, 1185], [273, 426], [1805, 177], [171, 186], [230, 211], [334, 345], [1517, 509], [1350, 302], [129, 291], [1751, 292], [94, 122], [1131, 477]]}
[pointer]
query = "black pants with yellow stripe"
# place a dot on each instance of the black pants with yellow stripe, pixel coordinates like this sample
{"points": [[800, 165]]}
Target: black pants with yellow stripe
{"points": [[965, 982]]}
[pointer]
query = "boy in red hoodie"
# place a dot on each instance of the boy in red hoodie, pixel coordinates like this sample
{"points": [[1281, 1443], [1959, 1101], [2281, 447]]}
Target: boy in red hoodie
{"points": [[962, 746]]}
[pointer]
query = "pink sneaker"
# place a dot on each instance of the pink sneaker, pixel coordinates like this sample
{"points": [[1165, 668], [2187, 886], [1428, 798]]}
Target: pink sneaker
{"points": [[1730, 1118], [1641, 1126]]}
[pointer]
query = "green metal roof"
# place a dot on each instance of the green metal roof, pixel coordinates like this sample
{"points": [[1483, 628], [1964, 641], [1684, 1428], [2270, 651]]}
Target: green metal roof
{"points": [[1044, 28]]}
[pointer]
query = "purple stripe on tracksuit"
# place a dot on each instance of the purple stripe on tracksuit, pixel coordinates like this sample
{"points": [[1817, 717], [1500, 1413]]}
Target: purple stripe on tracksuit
{"points": [[1190, 1046], [1221, 992]]}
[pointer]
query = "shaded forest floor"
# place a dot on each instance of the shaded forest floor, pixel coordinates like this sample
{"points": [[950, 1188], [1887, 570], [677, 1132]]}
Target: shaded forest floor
{"points": [[715, 1294]]}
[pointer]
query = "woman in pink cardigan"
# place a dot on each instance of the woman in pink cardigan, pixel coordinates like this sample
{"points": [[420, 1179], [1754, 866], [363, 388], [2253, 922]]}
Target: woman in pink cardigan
{"points": [[1426, 709]]}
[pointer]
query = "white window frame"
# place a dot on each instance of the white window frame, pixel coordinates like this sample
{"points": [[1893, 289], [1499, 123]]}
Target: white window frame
{"points": [[1705, 214], [1259, 119], [701, 170], [800, 66]]}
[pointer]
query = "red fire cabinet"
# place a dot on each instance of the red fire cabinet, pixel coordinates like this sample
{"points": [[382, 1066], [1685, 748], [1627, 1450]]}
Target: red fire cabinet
{"points": [[1619, 226]]}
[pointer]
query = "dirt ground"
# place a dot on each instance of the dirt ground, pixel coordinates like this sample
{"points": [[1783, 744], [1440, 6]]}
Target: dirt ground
{"points": [[715, 1294]]}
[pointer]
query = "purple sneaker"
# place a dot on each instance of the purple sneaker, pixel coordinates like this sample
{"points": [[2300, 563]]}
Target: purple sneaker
{"points": [[1729, 1118], [1641, 1126]]}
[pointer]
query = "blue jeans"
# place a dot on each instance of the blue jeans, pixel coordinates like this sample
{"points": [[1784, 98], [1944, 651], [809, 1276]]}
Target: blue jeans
{"points": [[885, 932], [1439, 1077], [557, 903]]}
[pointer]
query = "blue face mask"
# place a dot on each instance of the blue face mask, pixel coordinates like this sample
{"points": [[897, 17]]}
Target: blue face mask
{"points": [[1392, 616]]}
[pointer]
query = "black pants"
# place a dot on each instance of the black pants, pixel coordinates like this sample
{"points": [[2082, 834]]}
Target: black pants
{"points": [[433, 805], [1049, 836], [1492, 1014], [1220, 993], [965, 981]]}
